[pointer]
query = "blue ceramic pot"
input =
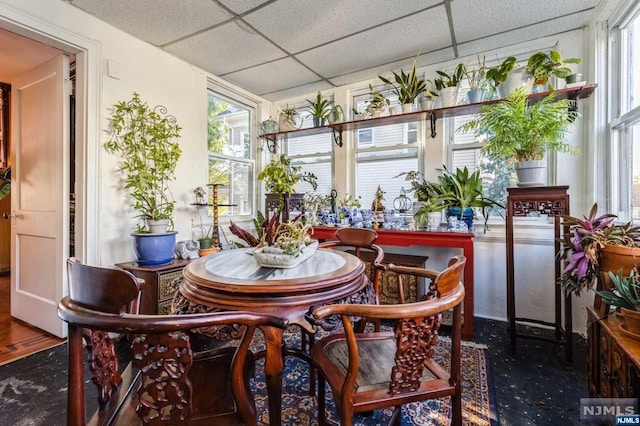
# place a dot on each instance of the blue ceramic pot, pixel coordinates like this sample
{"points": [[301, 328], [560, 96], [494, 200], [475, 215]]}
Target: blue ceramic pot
{"points": [[154, 249]]}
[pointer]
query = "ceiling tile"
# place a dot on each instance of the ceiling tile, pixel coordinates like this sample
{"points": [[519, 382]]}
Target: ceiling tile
{"points": [[296, 92], [156, 21], [385, 70], [297, 28], [227, 48], [473, 19], [400, 39], [273, 76], [241, 6], [533, 32]]}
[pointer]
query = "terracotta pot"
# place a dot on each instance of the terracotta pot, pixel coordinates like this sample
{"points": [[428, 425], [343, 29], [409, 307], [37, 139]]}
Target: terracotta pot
{"points": [[632, 320], [204, 252], [614, 258]]}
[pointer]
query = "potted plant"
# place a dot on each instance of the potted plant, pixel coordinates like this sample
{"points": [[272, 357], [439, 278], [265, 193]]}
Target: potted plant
{"points": [[280, 177], [448, 85], [543, 65], [378, 102], [499, 74], [460, 192], [625, 296], [476, 77], [145, 141], [278, 244], [319, 108], [521, 132], [288, 119], [595, 244], [428, 98], [429, 214], [407, 86]]}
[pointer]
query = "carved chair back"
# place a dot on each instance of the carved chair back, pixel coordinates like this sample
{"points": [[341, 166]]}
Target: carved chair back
{"points": [[371, 370], [166, 382]]}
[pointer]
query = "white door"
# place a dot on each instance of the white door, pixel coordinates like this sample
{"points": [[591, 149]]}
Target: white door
{"points": [[39, 193]]}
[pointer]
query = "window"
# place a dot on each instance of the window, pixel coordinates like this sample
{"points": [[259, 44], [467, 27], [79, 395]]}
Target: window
{"points": [[625, 124], [384, 152], [230, 153], [464, 151], [315, 154]]}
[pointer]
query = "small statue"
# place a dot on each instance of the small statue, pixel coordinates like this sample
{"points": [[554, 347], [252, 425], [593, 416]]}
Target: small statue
{"points": [[378, 198], [187, 249]]}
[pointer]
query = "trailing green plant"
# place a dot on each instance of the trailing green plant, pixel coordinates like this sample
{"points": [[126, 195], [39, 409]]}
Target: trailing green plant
{"points": [[407, 86], [280, 177], [499, 73], [543, 65], [429, 206], [320, 106], [625, 292], [518, 130], [145, 141], [421, 188], [452, 80]]}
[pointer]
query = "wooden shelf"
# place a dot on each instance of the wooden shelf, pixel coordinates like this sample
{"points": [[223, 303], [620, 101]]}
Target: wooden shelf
{"points": [[432, 115]]}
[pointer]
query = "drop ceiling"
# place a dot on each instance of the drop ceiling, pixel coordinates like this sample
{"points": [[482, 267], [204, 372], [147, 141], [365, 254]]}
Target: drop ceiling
{"points": [[284, 48]]}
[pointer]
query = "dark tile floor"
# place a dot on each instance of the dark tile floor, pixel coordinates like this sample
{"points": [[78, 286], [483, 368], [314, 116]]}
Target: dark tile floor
{"points": [[534, 384]]}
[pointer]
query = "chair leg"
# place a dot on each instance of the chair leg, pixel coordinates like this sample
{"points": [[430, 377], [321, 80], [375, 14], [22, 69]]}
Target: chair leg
{"points": [[321, 401], [396, 416], [456, 408], [312, 368]]}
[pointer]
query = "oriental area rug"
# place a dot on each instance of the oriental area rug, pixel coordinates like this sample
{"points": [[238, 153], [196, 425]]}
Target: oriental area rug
{"points": [[33, 391]]}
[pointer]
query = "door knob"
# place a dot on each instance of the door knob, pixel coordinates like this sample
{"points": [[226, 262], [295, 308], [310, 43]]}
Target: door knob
{"points": [[6, 215]]}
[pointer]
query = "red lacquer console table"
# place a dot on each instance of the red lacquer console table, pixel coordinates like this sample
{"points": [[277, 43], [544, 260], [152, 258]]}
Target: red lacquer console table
{"points": [[460, 240]]}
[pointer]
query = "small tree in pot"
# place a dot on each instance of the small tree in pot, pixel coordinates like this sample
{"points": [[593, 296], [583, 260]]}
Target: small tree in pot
{"points": [[145, 141], [523, 132]]}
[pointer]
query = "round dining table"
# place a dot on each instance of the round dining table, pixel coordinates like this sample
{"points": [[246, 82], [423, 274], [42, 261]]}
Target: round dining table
{"points": [[233, 280]]}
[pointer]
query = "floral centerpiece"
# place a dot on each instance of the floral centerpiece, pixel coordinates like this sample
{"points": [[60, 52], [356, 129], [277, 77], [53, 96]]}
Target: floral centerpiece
{"points": [[278, 244], [586, 245]]}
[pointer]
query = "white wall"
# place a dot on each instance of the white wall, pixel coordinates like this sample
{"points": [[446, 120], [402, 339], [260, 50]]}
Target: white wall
{"points": [[534, 251], [160, 79]]}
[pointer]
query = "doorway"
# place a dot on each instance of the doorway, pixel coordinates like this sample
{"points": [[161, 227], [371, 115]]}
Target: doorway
{"points": [[14, 45]]}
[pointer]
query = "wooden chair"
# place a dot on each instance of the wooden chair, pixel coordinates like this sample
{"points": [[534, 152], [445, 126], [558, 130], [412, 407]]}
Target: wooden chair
{"points": [[359, 241], [372, 370], [166, 382]]}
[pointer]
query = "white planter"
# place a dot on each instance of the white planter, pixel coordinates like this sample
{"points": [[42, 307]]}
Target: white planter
{"points": [[427, 103], [407, 108], [158, 226], [433, 220], [531, 173], [271, 257], [519, 77], [449, 96]]}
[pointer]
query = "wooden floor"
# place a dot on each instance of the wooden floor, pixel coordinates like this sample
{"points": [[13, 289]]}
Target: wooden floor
{"points": [[18, 339]]}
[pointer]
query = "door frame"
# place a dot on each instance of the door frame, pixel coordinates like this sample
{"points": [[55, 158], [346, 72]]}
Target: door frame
{"points": [[87, 99]]}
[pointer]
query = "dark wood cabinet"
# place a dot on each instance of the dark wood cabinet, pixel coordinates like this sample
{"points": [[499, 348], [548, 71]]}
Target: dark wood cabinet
{"points": [[161, 283], [613, 360]]}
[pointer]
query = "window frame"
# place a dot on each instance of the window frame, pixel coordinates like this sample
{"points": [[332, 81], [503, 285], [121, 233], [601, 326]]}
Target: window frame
{"points": [[234, 97]]}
